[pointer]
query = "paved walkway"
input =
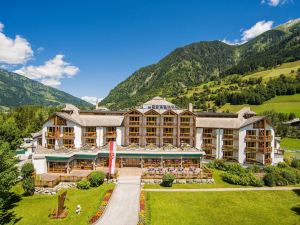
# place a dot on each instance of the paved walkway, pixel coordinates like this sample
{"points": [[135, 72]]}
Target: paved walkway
{"points": [[123, 207], [225, 189]]}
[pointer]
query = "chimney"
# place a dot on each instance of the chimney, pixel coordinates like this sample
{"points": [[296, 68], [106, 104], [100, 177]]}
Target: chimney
{"points": [[190, 107]]}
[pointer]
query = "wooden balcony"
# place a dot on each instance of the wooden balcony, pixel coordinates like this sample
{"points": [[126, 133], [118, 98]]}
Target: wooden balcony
{"points": [[111, 134], [50, 146], [208, 146], [151, 134], [186, 124], [134, 123], [134, 134], [265, 150], [71, 146], [170, 124], [208, 135], [229, 148], [251, 138], [268, 160], [268, 138], [68, 135], [168, 134], [151, 123], [89, 134], [250, 149], [185, 134], [53, 134]]}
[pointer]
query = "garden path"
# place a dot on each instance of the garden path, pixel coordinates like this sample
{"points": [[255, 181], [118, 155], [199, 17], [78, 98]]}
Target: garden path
{"points": [[123, 207]]}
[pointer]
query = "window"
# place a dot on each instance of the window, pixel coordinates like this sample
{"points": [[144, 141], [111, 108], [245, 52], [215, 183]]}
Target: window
{"points": [[207, 130], [168, 131], [133, 141], [228, 131], [207, 141], [90, 142], [90, 129], [228, 142], [250, 156], [50, 143], [227, 154], [68, 143], [251, 144], [151, 120], [68, 130], [251, 132], [60, 121], [151, 141], [185, 131], [151, 131], [168, 141], [133, 130]]}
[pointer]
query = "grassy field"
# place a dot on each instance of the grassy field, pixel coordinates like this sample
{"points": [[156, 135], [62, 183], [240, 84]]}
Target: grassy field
{"points": [[34, 210], [219, 183], [282, 104], [232, 208], [290, 143]]}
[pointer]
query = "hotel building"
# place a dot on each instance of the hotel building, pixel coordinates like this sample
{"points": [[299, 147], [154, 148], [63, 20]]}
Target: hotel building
{"points": [[156, 133]]}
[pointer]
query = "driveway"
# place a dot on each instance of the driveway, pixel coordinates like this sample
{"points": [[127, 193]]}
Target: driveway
{"points": [[123, 207]]}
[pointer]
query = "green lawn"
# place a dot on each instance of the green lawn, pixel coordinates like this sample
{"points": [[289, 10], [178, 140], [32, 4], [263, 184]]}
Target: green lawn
{"points": [[34, 210], [282, 104], [290, 143], [232, 208], [219, 183]]}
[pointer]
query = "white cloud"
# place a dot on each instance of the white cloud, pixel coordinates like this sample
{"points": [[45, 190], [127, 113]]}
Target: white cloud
{"points": [[14, 51], [51, 72], [259, 28], [91, 99], [274, 3]]}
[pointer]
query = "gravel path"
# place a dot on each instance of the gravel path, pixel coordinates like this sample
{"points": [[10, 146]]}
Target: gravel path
{"points": [[123, 206], [225, 189]]}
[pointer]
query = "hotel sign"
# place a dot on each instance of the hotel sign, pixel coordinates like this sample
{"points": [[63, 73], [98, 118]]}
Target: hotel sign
{"points": [[112, 156]]}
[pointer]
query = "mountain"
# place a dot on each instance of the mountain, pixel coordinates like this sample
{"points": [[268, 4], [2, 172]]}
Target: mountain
{"points": [[200, 62], [17, 90]]}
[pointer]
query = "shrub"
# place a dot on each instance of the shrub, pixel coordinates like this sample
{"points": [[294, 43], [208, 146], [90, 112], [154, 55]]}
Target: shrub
{"points": [[167, 180], [295, 163], [27, 170], [230, 178], [282, 165], [217, 164], [271, 169], [234, 168], [83, 184], [289, 176], [96, 178], [28, 186], [270, 179], [253, 169], [255, 181]]}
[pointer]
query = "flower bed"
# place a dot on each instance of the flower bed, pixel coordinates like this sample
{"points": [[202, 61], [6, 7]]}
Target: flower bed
{"points": [[102, 207], [142, 213]]}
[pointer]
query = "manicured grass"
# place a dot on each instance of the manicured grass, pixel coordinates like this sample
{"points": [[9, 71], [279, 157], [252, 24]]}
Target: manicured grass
{"points": [[232, 208], [290, 143], [219, 183], [34, 210], [281, 104]]}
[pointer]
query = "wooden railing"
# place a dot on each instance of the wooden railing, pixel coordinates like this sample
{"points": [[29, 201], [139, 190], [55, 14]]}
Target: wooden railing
{"points": [[229, 148], [151, 123], [208, 135], [151, 134], [50, 146], [268, 138], [186, 124], [251, 137], [135, 134], [89, 134], [265, 150], [111, 134], [186, 134], [169, 123], [52, 134], [68, 135], [168, 134], [208, 146], [250, 149], [268, 160], [69, 146], [134, 122]]}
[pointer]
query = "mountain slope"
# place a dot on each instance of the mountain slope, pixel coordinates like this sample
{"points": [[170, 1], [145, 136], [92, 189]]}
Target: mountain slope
{"points": [[17, 90], [201, 62]]}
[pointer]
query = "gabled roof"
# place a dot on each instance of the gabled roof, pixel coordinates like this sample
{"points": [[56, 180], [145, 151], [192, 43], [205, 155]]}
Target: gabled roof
{"points": [[158, 101]]}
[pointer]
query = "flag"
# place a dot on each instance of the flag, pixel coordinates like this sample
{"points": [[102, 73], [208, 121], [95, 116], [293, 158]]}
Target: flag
{"points": [[112, 156]]}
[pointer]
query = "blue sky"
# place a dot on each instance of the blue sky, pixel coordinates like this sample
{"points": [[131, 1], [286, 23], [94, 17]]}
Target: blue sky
{"points": [[87, 47]]}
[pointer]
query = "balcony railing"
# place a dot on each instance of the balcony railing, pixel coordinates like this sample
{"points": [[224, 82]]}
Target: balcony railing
{"points": [[151, 123], [151, 134], [50, 146], [229, 148], [134, 122], [268, 160], [251, 137], [89, 134], [185, 134], [168, 134], [69, 145], [268, 137], [68, 135], [111, 134], [208, 146], [169, 123], [208, 135], [135, 134], [52, 134], [186, 124], [251, 149], [265, 150]]}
